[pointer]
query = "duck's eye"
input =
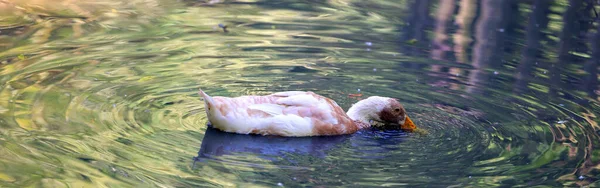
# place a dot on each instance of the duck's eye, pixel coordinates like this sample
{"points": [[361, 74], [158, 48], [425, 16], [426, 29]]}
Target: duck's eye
{"points": [[397, 110]]}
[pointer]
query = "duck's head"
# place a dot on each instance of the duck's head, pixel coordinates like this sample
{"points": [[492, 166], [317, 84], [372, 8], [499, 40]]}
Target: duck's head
{"points": [[381, 110]]}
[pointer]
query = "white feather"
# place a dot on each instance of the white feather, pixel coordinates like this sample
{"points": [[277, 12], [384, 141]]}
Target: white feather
{"points": [[299, 100], [366, 110], [271, 109], [288, 93]]}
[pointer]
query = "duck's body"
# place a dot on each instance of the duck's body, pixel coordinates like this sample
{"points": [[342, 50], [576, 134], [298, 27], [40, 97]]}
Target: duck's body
{"points": [[297, 113]]}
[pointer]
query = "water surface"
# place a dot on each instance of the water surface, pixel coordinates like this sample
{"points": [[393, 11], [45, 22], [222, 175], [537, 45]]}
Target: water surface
{"points": [[104, 93]]}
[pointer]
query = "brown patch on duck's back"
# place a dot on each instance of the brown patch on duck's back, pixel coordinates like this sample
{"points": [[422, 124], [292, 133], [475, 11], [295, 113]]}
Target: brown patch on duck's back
{"points": [[323, 128], [300, 111], [344, 124], [342, 118], [221, 105]]}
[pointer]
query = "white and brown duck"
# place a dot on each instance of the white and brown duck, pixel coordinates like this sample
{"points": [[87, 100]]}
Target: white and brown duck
{"points": [[299, 113]]}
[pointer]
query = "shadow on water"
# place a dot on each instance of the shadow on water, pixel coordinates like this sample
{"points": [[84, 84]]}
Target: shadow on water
{"points": [[217, 143]]}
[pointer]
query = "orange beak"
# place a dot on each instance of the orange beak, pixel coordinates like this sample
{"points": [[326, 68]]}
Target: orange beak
{"points": [[408, 125]]}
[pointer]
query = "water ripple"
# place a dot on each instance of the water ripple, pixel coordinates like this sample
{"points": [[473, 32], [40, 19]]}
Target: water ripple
{"points": [[117, 105]]}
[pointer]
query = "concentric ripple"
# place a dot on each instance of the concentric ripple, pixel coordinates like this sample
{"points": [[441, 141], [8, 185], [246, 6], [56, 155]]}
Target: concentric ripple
{"points": [[111, 99]]}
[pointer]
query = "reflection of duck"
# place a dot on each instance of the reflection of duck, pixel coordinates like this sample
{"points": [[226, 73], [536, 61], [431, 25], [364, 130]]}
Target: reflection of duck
{"points": [[218, 143], [298, 113]]}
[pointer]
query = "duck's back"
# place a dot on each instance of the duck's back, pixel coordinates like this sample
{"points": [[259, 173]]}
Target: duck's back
{"points": [[293, 113]]}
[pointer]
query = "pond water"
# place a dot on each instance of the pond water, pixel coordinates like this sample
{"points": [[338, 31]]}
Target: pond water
{"points": [[104, 93]]}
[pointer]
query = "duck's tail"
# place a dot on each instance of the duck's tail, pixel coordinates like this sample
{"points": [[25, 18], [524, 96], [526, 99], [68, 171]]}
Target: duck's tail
{"points": [[207, 99]]}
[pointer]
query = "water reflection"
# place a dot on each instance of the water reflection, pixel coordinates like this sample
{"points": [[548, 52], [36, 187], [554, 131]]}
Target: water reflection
{"points": [[538, 21], [217, 143], [103, 93]]}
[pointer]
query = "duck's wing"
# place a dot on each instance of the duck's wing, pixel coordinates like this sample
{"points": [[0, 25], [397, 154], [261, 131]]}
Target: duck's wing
{"points": [[284, 103], [290, 93], [319, 114], [268, 108], [291, 113]]}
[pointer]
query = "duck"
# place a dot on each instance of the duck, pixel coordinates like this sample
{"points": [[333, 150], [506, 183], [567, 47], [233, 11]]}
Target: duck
{"points": [[301, 114]]}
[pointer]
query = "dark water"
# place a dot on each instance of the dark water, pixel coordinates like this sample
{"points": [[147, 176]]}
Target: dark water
{"points": [[103, 93]]}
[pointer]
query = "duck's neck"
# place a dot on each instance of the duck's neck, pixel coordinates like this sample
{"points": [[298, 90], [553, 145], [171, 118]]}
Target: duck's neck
{"points": [[364, 112], [360, 118]]}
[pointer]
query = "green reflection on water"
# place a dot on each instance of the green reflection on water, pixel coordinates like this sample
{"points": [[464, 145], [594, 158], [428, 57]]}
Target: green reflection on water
{"points": [[104, 93]]}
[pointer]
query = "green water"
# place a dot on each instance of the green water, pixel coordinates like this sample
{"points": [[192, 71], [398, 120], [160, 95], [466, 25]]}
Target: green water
{"points": [[104, 93]]}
